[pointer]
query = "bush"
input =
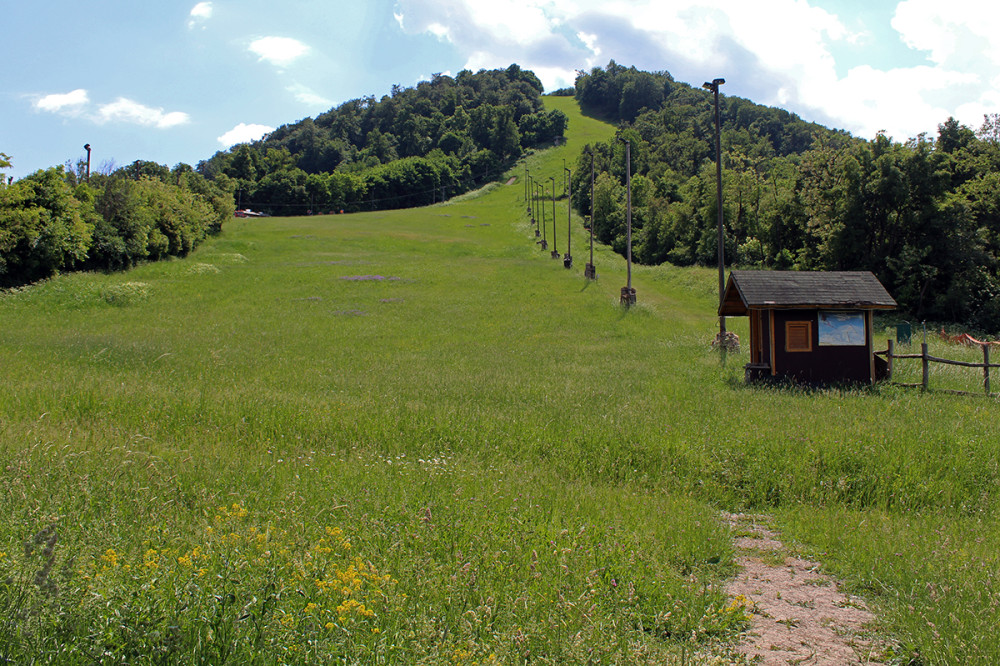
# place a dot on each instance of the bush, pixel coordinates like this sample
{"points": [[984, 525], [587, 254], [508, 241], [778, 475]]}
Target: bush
{"points": [[111, 223]]}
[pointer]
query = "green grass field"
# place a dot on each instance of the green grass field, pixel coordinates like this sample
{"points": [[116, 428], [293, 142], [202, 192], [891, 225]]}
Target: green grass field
{"points": [[413, 437]]}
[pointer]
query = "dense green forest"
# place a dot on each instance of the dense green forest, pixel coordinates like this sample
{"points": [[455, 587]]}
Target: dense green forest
{"points": [[923, 215], [411, 148], [56, 220]]}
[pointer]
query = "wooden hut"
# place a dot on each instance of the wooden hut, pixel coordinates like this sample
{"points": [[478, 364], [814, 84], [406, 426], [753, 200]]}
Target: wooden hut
{"points": [[812, 327]]}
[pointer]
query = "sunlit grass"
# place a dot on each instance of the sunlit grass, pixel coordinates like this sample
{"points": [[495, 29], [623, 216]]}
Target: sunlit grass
{"points": [[534, 468]]}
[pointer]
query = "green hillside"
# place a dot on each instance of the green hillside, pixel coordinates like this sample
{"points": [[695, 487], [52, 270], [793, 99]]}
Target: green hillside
{"points": [[413, 437]]}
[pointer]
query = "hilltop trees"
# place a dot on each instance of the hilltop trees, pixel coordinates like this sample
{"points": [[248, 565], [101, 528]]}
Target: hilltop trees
{"points": [[447, 135]]}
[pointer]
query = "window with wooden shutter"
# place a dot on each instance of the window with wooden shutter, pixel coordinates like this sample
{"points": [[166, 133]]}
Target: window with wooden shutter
{"points": [[798, 336]]}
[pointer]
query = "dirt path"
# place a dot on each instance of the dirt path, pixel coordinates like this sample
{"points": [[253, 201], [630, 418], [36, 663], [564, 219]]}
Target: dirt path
{"points": [[799, 616]]}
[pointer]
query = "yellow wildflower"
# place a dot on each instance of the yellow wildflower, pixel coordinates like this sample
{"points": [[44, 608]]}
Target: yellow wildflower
{"points": [[111, 557]]}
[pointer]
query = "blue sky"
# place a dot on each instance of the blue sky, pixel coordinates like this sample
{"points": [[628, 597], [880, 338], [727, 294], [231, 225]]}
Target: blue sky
{"points": [[174, 81]]}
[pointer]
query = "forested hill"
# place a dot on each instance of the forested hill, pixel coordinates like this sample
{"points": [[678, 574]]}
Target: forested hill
{"points": [[923, 215], [627, 95], [411, 148]]}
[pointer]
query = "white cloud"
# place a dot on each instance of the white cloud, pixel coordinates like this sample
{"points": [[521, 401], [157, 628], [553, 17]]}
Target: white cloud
{"points": [[124, 110], [71, 103], [957, 32], [199, 14], [776, 52], [307, 96], [243, 133], [280, 51], [899, 101]]}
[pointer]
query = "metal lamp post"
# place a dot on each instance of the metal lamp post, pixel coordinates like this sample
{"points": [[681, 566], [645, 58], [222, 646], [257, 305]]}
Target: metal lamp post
{"points": [[528, 197], [628, 292], [526, 179], [714, 87], [544, 243], [531, 204], [555, 251], [86, 147], [568, 257], [589, 271]]}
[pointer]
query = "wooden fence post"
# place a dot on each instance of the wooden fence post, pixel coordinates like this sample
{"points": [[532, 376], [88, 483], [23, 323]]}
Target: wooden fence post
{"points": [[888, 358], [927, 365], [986, 368]]}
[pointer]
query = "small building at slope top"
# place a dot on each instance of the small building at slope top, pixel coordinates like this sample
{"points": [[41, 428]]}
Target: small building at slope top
{"points": [[813, 327]]}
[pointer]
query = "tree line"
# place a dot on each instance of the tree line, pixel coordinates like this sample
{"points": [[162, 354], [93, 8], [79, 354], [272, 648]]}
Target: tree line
{"points": [[55, 220], [923, 215], [414, 147]]}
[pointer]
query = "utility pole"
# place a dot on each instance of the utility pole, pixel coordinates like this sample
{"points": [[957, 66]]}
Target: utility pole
{"points": [[628, 292], [714, 87], [526, 187], [568, 257], [555, 250], [534, 197], [589, 270], [541, 205]]}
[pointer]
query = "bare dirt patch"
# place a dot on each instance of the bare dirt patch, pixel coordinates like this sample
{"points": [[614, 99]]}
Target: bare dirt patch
{"points": [[800, 616]]}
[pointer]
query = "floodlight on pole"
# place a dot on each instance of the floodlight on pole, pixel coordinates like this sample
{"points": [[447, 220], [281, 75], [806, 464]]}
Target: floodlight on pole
{"points": [[526, 188], [568, 257], [541, 206], [628, 292], [714, 87], [555, 251], [531, 200], [534, 206], [589, 270]]}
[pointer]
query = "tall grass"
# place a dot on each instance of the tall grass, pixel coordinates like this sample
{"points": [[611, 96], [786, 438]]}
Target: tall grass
{"points": [[534, 468]]}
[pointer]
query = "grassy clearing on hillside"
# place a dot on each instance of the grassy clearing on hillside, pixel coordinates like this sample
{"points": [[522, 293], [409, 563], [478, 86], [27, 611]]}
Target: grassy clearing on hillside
{"points": [[525, 470]]}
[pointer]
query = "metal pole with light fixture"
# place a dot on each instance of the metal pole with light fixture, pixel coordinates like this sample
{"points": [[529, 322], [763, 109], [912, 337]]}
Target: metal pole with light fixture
{"points": [[568, 257], [714, 87], [555, 250], [541, 206], [534, 206], [86, 147], [589, 270], [628, 292], [531, 198], [526, 187]]}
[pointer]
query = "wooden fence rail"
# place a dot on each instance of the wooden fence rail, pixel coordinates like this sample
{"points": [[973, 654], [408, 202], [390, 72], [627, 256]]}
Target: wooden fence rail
{"points": [[927, 359]]}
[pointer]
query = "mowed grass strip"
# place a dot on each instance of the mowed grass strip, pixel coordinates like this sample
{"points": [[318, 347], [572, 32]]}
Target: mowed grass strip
{"points": [[532, 466]]}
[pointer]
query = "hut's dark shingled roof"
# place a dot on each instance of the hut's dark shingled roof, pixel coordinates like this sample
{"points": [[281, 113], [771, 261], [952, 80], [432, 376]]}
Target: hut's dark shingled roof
{"points": [[803, 289]]}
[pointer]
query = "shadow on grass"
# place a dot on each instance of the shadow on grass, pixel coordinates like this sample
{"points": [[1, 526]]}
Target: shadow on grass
{"points": [[790, 387], [609, 118]]}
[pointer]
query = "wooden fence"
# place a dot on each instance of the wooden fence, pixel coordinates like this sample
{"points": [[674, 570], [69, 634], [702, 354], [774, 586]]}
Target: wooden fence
{"points": [[927, 359]]}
